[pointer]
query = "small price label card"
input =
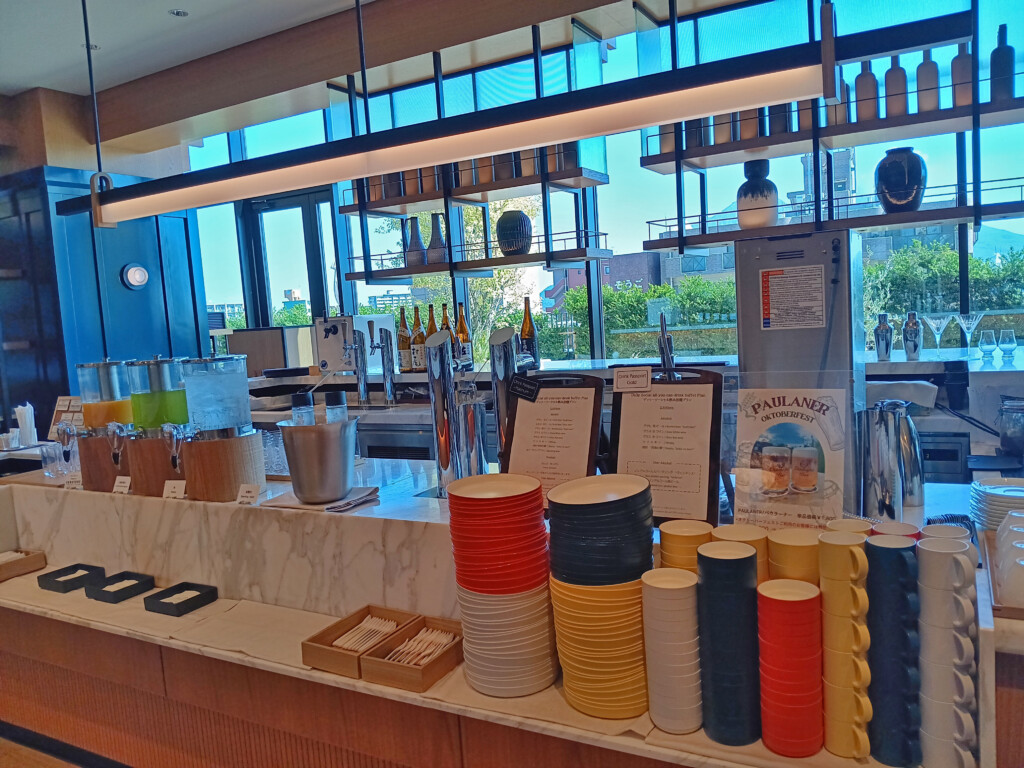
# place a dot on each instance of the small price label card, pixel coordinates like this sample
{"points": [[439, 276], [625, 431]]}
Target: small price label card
{"points": [[73, 481], [632, 380], [122, 484], [64, 403], [248, 494], [524, 388], [174, 489], [78, 419], [75, 404]]}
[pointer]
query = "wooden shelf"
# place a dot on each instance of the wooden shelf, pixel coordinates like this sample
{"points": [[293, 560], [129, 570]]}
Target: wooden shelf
{"points": [[887, 130], [502, 189], [1001, 210], [662, 244], [399, 273], [732, 153], [567, 259]]}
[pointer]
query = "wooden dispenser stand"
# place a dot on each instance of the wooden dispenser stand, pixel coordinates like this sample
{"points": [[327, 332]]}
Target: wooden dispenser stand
{"points": [[98, 469], [151, 466], [215, 469]]}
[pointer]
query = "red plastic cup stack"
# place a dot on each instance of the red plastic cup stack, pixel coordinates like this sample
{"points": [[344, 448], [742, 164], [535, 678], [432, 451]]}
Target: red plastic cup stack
{"points": [[789, 642], [500, 547]]}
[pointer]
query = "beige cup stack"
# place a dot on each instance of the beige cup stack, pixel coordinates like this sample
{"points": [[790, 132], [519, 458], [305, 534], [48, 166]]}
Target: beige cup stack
{"points": [[793, 554], [679, 542], [755, 536], [948, 628], [843, 569]]}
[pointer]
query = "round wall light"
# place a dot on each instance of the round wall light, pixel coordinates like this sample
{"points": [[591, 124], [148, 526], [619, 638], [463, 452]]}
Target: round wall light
{"points": [[134, 276]]}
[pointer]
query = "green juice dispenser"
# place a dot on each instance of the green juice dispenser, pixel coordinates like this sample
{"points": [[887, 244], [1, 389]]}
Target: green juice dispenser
{"points": [[158, 398]]}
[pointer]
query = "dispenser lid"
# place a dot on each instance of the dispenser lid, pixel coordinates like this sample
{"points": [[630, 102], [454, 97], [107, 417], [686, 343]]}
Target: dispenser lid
{"points": [[334, 398], [302, 399]]}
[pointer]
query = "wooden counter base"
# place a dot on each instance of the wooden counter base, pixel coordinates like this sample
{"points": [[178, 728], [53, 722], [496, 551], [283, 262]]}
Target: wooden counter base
{"points": [[153, 707]]}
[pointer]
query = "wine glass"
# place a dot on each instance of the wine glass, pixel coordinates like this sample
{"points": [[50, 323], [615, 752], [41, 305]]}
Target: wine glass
{"points": [[968, 322], [1007, 342], [938, 322], [987, 344]]}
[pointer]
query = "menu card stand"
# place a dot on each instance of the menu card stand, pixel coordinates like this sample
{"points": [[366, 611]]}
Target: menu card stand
{"points": [[671, 434], [555, 438]]}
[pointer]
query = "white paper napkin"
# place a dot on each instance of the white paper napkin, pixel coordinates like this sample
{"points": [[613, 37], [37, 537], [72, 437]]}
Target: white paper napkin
{"points": [[355, 497]]}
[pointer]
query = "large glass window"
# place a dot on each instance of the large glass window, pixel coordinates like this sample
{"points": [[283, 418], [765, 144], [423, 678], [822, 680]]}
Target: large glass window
{"points": [[222, 270], [293, 132], [211, 151]]}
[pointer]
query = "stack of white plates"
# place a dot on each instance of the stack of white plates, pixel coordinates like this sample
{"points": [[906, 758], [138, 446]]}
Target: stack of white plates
{"points": [[992, 499], [672, 648], [508, 642]]}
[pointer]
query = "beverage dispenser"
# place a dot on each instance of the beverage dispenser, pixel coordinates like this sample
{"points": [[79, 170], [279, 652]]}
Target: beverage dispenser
{"points": [[224, 451], [106, 421], [158, 398]]}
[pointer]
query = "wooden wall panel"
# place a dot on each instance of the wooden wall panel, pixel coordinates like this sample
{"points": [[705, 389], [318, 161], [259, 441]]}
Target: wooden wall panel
{"points": [[145, 730], [489, 745], [100, 654], [377, 726], [1009, 710]]}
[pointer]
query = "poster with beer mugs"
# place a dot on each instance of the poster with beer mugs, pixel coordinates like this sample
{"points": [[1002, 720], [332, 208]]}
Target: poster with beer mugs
{"points": [[789, 456]]}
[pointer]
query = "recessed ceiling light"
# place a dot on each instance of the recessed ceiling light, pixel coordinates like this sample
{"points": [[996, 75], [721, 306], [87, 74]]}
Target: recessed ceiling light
{"points": [[178, 12], [92, 47]]}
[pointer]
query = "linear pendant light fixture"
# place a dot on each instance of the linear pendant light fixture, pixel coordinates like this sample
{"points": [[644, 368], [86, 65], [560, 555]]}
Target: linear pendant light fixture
{"points": [[796, 73]]}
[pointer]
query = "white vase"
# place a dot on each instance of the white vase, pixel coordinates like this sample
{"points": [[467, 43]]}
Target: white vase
{"points": [[866, 89], [895, 89], [927, 84], [960, 67], [757, 200]]}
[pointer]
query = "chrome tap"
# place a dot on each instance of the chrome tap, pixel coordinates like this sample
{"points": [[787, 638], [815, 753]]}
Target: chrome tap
{"points": [[386, 345], [358, 349]]}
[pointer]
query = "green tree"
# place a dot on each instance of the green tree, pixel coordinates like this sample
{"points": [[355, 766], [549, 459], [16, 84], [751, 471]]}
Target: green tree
{"points": [[294, 315]]}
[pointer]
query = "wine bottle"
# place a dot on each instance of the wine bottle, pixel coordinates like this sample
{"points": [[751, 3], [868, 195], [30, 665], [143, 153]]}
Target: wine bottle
{"points": [[1001, 68], [895, 89], [865, 85], [431, 322], [404, 345], [446, 325], [418, 343], [963, 83], [465, 342], [927, 84], [528, 336]]}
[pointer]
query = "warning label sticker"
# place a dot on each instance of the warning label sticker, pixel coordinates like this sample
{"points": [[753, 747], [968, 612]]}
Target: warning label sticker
{"points": [[793, 297]]}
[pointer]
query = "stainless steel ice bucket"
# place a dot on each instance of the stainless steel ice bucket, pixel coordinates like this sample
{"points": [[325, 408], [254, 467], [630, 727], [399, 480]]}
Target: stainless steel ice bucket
{"points": [[321, 459]]}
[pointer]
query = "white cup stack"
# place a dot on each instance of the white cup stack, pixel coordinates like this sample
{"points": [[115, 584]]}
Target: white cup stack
{"points": [[948, 628], [672, 649]]}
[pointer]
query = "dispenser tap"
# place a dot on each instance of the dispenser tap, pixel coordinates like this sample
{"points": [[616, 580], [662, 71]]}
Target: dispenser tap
{"points": [[359, 350], [386, 345]]}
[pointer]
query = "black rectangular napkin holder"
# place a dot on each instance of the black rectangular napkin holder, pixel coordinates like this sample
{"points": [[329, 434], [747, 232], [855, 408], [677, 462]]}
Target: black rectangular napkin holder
{"points": [[97, 591], [155, 603], [49, 581]]}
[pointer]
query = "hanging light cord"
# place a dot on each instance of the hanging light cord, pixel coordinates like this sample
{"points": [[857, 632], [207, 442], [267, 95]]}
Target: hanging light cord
{"points": [[99, 169]]}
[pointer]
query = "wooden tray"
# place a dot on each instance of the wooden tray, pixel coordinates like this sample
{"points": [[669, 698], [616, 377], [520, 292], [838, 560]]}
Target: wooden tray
{"points": [[406, 676], [33, 562], [987, 542], [318, 653]]}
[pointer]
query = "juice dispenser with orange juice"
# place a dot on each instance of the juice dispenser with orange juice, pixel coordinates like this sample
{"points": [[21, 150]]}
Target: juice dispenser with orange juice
{"points": [[106, 416]]}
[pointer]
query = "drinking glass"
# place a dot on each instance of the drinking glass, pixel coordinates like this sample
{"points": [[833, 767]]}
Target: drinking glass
{"points": [[1007, 342], [967, 324], [775, 470], [987, 343], [938, 322], [52, 459]]}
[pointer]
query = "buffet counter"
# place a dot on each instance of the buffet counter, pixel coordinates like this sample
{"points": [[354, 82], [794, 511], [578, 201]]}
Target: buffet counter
{"points": [[226, 685]]}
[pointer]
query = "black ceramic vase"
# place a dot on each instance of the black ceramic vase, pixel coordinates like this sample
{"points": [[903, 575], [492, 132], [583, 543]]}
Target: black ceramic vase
{"points": [[757, 200], [515, 233], [900, 180]]}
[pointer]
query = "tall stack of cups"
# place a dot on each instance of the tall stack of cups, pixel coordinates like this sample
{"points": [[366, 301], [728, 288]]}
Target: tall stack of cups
{"points": [[845, 637], [893, 656], [789, 635], [947, 591], [754, 535], [727, 613], [793, 554], [679, 542], [672, 649]]}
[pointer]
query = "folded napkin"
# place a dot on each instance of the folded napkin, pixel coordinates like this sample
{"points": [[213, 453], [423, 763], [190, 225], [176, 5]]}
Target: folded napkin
{"points": [[355, 497], [922, 393]]}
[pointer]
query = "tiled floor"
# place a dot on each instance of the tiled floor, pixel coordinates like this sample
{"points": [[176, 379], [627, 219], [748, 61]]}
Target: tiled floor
{"points": [[16, 756]]}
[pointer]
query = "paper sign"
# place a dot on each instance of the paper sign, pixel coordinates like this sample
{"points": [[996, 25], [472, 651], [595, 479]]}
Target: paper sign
{"points": [[522, 387], [75, 404], [181, 597], [632, 380], [790, 456], [78, 419], [122, 484], [248, 494], [63, 403], [793, 297], [174, 489], [73, 481]]}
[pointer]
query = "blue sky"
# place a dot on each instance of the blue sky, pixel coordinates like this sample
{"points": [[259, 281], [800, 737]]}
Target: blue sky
{"points": [[636, 195]]}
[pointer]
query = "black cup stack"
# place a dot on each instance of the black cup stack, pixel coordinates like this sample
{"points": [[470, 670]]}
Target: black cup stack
{"points": [[727, 618], [602, 530]]}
